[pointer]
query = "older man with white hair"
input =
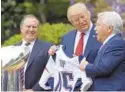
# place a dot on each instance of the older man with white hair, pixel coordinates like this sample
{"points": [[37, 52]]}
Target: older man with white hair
{"points": [[108, 70]]}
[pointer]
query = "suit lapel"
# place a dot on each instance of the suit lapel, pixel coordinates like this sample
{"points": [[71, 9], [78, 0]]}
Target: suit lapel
{"points": [[107, 43], [34, 52], [71, 44], [104, 47], [90, 42]]}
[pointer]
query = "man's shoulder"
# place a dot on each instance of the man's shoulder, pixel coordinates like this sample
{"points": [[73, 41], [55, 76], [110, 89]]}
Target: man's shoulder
{"points": [[71, 32], [116, 43], [43, 43], [117, 40]]}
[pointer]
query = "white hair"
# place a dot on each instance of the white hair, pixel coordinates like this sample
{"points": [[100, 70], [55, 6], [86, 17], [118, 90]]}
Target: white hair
{"points": [[112, 18], [28, 16], [76, 9]]}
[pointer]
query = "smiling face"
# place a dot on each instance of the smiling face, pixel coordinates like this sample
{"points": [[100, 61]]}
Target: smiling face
{"points": [[29, 29], [81, 21], [102, 30]]}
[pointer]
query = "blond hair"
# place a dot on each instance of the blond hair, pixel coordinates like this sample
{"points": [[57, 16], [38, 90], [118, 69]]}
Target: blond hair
{"points": [[76, 9]]}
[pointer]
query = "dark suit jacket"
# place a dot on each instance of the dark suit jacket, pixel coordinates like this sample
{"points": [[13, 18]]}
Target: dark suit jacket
{"points": [[108, 70], [91, 49], [36, 64]]}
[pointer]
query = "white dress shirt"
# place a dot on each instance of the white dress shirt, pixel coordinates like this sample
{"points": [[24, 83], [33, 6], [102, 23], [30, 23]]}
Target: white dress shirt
{"points": [[106, 40], [30, 48], [86, 36]]}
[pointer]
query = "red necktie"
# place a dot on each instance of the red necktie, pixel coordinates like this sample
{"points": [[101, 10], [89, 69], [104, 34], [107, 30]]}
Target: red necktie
{"points": [[79, 48]]}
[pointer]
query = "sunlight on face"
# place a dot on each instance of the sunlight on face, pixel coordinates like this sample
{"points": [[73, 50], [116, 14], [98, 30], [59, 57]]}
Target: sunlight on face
{"points": [[102, 30], [29, 29], [81, 21]]}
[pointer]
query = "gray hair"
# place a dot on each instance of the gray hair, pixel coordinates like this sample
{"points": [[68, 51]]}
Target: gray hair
{"points": [[76, 9], [28, 16], [112, 18]]}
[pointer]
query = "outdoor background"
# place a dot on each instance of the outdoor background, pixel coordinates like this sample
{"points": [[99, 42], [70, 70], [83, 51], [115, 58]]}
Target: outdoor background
{"points": [[52, 15]]}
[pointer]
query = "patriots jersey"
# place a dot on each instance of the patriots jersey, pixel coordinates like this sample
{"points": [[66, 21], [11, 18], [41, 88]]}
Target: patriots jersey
{"points": [[65, 72]]}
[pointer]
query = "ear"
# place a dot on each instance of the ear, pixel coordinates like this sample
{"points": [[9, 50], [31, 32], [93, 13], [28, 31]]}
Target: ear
{"points": [[110, 29], [72, 23]]}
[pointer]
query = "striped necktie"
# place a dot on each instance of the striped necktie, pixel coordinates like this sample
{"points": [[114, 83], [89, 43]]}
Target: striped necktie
{"points": [[22, 79]]}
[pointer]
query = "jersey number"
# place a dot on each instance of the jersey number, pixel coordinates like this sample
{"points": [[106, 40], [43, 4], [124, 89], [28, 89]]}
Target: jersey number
{"points": [[65, 78]]}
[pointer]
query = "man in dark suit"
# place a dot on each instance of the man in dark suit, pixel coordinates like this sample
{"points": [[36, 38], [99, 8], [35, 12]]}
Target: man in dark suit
{"points": [[81, 41], [108, 70], [80, 18], [38, 57]]}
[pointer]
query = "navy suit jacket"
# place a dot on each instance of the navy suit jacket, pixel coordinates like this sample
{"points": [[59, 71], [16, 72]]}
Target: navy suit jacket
{"points": [[108, 70], [91, 49], [36, 64]]}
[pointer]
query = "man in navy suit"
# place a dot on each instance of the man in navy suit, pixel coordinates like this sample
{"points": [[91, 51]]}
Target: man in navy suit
{"points": [[76, 44], [108, 70], [38, 57], [79, 16]]}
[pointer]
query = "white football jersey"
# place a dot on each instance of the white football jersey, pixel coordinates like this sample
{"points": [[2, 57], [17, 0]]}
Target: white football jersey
{"points": [[65, 72]]}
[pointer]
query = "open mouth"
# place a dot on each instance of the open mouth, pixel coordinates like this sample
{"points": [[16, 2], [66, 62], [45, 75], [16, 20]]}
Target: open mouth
{"points": [[31, 33], [83, 26]]}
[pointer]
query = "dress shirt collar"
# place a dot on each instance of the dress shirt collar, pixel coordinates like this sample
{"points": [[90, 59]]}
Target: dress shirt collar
{"points": [[31, 43], [107, 39], [86, 32]]}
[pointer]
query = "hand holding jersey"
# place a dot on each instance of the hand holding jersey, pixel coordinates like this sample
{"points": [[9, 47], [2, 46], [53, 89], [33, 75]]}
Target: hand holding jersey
{"points": [[65, 72], [83, 64]]}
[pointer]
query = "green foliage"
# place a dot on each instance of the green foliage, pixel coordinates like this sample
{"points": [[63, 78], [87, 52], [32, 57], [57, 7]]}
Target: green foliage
{"points": [[54, 32], [47, 32], [10, 17], [32, 8], [56, 10], [12, 13], [101, 6], [53, 11], [12, 40]]}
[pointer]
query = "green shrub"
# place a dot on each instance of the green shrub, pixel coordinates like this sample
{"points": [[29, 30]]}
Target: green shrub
{"points": [[47, 32], [12, 40], [54, 32]]}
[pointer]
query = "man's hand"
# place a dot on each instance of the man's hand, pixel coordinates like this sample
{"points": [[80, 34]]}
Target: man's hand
{"points": [[52, 50], [28, 90], [83, 64]]}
